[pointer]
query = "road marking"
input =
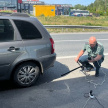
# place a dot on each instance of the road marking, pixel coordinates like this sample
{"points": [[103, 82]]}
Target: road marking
{"points": [[69, 40], [78, 40], [79, 33], [66, 57]]}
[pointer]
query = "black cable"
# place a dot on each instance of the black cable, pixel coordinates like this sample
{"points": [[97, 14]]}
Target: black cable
{"points": [[70, 71], [82, 67], [86, 95], [99, 102]]}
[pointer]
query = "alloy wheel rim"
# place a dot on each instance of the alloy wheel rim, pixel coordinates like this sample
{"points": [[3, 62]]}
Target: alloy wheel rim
{"points": [[27, 74]]}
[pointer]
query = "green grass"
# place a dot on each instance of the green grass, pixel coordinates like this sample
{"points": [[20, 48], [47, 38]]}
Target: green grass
{"points": [[71, 30], [68, 20]]}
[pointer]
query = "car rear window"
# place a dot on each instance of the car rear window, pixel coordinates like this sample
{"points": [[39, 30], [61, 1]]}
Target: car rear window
{"points": [[27, 30]]}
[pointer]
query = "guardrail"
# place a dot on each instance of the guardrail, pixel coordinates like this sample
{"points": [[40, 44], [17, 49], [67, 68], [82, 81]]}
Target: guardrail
{"points": [[76, 26]]}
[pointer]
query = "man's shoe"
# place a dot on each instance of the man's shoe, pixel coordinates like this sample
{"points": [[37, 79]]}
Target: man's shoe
{"points": [[96, 75], [89, 67]]}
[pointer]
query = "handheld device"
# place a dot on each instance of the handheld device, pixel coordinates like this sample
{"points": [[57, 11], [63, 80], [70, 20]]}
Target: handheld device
{"points": [[89, 58]]}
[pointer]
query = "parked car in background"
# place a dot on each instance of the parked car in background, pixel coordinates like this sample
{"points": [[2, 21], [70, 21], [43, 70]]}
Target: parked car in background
{"points": [[77, 12], [26, 49], [79, 15]]}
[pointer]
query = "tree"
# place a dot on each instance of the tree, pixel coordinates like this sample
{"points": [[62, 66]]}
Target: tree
{"points": [[99, 7], [81, 7]]}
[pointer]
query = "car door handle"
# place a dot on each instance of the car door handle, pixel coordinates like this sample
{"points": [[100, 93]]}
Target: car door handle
{"points": [[12, 48]]}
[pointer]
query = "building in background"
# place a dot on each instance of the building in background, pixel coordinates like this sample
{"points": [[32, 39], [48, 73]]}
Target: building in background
{"points": [[23, 6], [27, 6], [8, 4], [63, 9]]}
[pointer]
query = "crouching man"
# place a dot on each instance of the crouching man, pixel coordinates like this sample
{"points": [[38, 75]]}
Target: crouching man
{"points": [[95, 55]]}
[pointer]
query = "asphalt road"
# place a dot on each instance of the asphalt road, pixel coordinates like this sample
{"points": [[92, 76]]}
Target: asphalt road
{"points": [[54, 91], [71, 44]]}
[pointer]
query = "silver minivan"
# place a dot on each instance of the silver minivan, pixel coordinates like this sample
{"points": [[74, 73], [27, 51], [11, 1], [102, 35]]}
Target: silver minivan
{"points": [[26, 49]]}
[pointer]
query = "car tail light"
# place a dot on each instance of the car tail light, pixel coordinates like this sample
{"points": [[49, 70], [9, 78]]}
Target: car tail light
{"points": [[52, 46]]}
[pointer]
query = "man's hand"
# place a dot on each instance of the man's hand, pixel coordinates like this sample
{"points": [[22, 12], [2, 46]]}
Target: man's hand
{"points": [[98, 57], [79, 55], [76, 59], [91, 60]]}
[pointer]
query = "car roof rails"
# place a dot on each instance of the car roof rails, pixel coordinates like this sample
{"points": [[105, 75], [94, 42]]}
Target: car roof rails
{"points": [[5, 14], [20, 14], [14, 14]]}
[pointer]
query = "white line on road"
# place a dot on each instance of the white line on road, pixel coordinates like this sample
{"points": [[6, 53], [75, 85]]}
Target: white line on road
{"points": [[78, 40], [66, 57], [79, 33], [69, 40]]}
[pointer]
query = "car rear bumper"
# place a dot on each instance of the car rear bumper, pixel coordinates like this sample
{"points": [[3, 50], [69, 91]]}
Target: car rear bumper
{"points": [[48, 61]]}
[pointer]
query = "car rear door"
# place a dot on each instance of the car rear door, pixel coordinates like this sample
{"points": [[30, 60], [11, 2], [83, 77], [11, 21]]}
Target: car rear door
{"points": [[10, 49]]}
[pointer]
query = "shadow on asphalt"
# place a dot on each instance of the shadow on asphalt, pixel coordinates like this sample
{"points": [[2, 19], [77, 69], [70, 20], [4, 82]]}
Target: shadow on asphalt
{"points": [[66, 92], [49, 74], [62, 93], [53, 73]]}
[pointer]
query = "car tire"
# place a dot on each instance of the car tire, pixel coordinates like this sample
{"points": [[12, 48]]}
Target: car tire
{"points": [[26, 74]]}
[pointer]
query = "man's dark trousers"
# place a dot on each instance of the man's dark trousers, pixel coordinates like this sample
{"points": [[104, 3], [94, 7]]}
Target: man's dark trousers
{"points": [[84, 61], [97, 64]]}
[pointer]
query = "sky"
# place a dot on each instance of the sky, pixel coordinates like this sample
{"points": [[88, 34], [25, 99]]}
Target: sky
{"points": [[73, 2]]}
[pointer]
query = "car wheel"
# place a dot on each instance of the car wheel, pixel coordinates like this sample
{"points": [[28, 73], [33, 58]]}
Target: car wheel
{"points": [[26, 74]]}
